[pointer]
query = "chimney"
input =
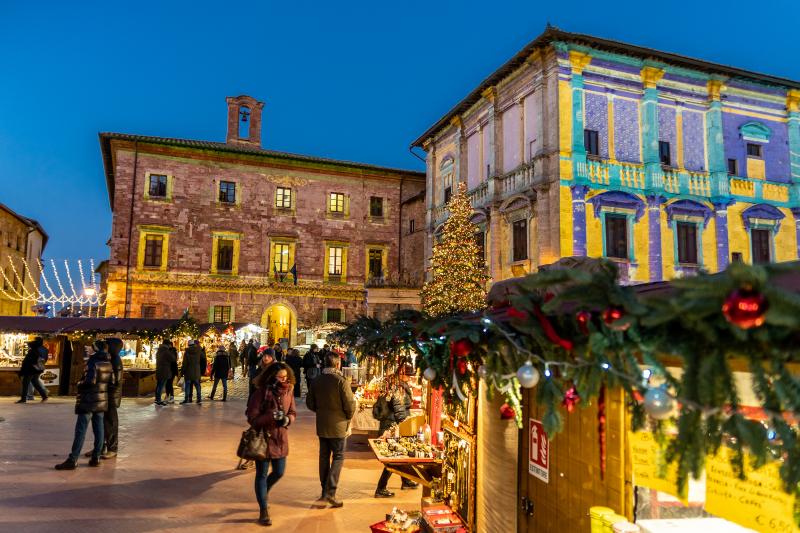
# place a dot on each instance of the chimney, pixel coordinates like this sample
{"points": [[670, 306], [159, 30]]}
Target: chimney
{"points": [[244, 121]]}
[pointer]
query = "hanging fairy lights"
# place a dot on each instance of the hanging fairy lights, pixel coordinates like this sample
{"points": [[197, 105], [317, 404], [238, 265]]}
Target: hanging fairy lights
{"points": [[14, 287]]}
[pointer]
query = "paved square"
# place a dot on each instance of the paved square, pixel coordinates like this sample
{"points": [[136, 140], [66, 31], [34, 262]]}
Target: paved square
{"points": [[175, 472]]}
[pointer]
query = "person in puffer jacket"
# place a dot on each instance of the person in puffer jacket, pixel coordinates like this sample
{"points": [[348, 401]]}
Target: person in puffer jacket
{"points": [[92, 402]]}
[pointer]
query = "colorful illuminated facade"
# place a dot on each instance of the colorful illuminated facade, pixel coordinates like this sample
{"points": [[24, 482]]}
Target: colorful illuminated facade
{"points": [[583, 146]]}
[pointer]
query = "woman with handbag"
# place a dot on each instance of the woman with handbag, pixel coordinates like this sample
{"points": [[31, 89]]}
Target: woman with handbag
{"points": [[271, 410]]}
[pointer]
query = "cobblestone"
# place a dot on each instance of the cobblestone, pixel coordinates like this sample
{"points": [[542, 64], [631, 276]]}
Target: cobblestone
{"points": [[174, 472]]}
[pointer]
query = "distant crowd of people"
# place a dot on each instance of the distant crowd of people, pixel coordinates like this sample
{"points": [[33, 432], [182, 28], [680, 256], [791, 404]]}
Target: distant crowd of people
{"points": [[274, 377]]}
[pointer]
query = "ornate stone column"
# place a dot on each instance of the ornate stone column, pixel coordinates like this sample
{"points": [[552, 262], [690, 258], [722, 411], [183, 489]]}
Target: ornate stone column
{"points": [[717, 166], [579, 61], [721, 231], [654, 259], [578, 220], [652, 165]]}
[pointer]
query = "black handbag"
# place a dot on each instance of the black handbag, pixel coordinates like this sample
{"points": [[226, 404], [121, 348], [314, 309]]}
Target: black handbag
{"points": [[253, 445]]}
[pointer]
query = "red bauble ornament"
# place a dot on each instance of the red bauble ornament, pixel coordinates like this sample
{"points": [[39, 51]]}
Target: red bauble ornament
{"points": [[461, 348], [507, 412], [612, 315], [516, 313], [745, 308], [461, 366], [571, 399], [548, 296], [583, 318]]}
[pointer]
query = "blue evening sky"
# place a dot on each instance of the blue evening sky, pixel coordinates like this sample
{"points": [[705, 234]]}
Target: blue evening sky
{"points": [[350, 80]]}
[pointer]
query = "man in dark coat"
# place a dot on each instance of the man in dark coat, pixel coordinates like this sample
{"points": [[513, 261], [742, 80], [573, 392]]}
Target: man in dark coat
{"points": [[111, 420], [312, 364], [278, 352], [331, 398], [233, 353], [166, 358], [92, 402], [194, 366], [295, 362], [219, 372], [32, 367]]}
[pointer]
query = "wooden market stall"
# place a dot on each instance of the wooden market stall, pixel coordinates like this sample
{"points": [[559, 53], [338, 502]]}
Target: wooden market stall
{"points": [[66, 340]]}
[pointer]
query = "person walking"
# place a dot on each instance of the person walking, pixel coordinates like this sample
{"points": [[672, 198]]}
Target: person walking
{"points": [[233, 353], [278, 349], [295, 362], [243, 356], [271, 409], [332, 400], [170, 390], [111, 418], [92, 402], [165, 359], [193, 367], [219, 372], [31, 368], [312, 364], [263, 358]]}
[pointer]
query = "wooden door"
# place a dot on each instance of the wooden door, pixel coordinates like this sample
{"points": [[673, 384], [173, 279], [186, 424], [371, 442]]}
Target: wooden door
{"points": [[576, 482]]}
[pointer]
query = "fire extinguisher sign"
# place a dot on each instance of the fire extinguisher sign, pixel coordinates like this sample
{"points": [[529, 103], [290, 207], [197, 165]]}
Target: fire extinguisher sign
{"points": [[538, 451]]}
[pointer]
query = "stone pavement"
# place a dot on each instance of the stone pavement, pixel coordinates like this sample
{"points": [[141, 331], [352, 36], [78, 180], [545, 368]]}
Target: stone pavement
{"points": [[175, 472]]}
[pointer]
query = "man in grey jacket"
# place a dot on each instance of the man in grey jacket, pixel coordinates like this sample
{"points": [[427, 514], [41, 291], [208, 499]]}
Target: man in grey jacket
{"points": [[331, 398]]}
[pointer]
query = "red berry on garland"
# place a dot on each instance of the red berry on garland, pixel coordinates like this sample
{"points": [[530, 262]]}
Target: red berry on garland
{"points": [[745, 308], [514, 313], [461, 366], [571, 399], [461, 348], [583, 318], [548, 296], [507, 412], [612, 315]]}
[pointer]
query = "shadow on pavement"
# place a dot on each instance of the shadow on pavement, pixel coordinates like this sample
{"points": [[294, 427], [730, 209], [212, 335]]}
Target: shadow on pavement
{"points": [[156, 493]]}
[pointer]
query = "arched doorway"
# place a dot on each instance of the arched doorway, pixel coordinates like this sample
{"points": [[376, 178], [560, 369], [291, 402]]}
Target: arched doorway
{"points": [[280, 323]]}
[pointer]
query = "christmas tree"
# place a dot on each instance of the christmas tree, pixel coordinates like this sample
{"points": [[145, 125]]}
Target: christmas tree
{"points": [[458, 281]]}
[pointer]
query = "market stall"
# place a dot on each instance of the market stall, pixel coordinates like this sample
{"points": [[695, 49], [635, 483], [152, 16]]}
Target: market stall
{"points": [[67, 339]]}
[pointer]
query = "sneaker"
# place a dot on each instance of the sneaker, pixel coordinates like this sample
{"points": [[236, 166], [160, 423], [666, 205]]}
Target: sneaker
{"points": [[69, 464], [409, 485], [94, 461], [185, 402], [171, 399], [45, 399], [263, 518], [108, 455], [384, 493], [21, 401], [198, 402], [334, 503]]}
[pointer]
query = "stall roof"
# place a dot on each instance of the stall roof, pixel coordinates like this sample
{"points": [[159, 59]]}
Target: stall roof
{"points": [[54, 326]]}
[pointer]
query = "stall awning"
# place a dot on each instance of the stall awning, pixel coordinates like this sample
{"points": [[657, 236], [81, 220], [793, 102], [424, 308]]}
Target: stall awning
{"points": [[55, 326], [221, 326]]}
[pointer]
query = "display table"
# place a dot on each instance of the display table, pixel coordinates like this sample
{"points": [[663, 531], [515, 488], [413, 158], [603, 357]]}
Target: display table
{"points": [[138, 382], [420, 470]]}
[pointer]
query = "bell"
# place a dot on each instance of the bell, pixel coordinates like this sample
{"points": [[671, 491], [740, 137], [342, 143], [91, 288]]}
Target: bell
{"points": [[244, 114]]}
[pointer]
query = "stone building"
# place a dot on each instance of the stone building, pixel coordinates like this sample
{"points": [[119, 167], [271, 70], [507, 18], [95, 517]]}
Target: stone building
{"points": [[584, 146], [234, 232], [22, 241]]}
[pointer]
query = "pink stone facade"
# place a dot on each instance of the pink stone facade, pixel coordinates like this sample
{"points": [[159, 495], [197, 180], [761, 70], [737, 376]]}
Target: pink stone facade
{"points": [[190, 215]]}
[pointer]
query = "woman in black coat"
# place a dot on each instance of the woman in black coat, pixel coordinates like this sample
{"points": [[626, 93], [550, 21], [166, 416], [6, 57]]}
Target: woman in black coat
{"points": [[219, 371], [92, 403], [390, 409]]}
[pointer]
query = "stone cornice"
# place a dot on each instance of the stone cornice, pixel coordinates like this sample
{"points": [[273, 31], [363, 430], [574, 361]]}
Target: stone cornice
{"points": [[257, 284]]}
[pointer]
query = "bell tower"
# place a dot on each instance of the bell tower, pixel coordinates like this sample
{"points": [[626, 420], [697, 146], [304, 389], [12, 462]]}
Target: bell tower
{"points": [[244, 120]]}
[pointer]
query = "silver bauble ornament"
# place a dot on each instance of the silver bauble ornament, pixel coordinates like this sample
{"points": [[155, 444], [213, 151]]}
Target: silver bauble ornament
{"points": [[527, 375], [429, 374], [658, 403], [482, 371]]}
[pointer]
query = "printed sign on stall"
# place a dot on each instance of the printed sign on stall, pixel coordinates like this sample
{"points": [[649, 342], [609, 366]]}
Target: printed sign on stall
{"points": [[538, 452], [50, 376], [757, 502], [646, 463]]}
